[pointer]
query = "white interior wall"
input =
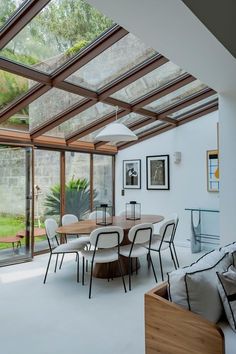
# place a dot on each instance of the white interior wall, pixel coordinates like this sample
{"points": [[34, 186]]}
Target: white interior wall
{"points": [[173, 30], [188, 183], [227, 118]]}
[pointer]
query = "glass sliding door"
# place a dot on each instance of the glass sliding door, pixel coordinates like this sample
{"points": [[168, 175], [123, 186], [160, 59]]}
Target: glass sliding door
{"points": [[15, 204], [77, 184], [102, 180], [47, 193]]}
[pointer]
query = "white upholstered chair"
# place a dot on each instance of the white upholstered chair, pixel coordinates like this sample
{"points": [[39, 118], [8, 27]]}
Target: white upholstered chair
{"points": [[106, 242], [70, 219], [139, 236], [56, 249], [165, 240]]}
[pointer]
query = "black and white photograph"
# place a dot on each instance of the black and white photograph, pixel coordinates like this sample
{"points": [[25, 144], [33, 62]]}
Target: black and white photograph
{"points": [[158, 172], [132, 174]]}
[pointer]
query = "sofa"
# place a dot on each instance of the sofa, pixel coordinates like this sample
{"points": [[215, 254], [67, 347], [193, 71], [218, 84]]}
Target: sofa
{"points": [[172, 327]]}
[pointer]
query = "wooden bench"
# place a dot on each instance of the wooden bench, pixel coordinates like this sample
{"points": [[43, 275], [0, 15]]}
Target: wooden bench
{"points": [[170, 329]]}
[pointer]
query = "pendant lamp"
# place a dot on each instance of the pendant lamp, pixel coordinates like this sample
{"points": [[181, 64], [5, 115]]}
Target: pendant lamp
{"points": [[115, 132]]}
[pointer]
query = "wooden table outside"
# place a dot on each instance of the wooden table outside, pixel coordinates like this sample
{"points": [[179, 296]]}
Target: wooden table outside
{"points": [[38, 232], [109, 270]]}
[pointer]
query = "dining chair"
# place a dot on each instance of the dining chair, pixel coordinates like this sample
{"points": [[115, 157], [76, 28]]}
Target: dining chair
{"points": [[106, 242], [56, 249], [139, 236], [165, 240], [68, 219]]}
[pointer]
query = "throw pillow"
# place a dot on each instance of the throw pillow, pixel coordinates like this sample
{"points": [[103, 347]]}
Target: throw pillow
{"points": [[227, 290]]}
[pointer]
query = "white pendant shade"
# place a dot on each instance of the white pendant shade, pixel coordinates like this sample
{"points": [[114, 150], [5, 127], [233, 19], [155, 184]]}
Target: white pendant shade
{"points": [[116, 132]]}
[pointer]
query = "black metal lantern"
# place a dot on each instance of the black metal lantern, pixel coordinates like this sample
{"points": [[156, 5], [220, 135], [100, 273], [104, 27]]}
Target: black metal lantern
{"points": [[133, 210], [104, 215]]}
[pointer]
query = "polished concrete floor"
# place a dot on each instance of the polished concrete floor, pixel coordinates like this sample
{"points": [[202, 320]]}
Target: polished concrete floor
{"points": [[58, 317]]}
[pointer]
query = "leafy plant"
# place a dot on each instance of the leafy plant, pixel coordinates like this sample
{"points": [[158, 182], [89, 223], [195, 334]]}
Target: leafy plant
{"points": [[77, 198]]}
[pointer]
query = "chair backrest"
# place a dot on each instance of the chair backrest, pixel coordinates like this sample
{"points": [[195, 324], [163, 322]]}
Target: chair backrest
{"points": [[141, 233], [167, 230], [99, 214], [51, 227], [69, 219], [107, 237]]}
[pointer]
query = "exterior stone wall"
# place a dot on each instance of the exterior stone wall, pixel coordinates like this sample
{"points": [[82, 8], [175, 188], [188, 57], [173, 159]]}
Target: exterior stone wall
{"points": [[47, 174]]}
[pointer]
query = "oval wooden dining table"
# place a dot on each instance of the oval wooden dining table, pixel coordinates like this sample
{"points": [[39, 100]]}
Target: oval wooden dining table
{"points": [[110, 270]]}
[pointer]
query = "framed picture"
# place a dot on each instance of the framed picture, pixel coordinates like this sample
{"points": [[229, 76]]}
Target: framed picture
{"points": [[213, 171], [158, 172], [132, 174]]}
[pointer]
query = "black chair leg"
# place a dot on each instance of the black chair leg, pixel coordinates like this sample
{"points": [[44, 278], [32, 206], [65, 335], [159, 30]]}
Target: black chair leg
{"points": [[162, 275], [130, 262], [90, 283], [45, 277], [55, 269], [172, 256], [77, 267], [122, 275], [177, 262], [62, 259], [136, 265], [153, 268], [83, 271], [148, 260]]}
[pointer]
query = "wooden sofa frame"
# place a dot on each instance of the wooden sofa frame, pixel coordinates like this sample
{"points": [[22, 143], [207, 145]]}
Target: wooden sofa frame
{"points": [[170, 329]]}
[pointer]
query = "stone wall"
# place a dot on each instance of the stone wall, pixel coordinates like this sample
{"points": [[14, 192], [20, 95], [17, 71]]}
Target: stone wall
{"points": [[47, 174]]}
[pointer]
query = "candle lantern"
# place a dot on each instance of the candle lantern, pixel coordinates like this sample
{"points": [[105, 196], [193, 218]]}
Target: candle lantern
{"points": [[104, 215], [133, 210]]}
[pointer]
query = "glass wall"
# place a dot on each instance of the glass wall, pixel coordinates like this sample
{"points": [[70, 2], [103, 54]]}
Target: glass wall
{"points": [[46, 193], [77, 186], [15, 203], [102, 179]]}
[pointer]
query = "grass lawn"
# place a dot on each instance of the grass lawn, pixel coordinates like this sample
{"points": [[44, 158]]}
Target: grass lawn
{"points": [[9, 226]]}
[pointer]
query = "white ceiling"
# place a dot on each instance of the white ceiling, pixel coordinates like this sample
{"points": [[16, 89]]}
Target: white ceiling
{"points": [[171, 28]]}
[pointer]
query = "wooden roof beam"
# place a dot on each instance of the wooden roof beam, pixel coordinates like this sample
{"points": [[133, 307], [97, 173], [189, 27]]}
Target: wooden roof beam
{"points": [[95, 125], [187, 118], [22, 101], [61, 117], [22, 17], [132, 75], [88, 53]]}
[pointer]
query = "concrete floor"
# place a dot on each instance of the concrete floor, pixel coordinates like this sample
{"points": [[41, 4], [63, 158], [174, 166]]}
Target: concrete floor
{"points": [[58, 317]]}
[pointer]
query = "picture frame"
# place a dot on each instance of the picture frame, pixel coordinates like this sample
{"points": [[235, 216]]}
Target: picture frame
{"points": [[157, 170], [213, 183], [132, 174]]}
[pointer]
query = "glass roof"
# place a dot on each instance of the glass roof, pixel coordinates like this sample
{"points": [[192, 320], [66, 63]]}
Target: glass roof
{"points": [[50, 39], [128, 119], [49, 104], [9, 8], [12, 87], [18, 122], [55, 35], [175, 96], [153, 80], [81, 120], [148, 127], [122, 56], [193, 107]]}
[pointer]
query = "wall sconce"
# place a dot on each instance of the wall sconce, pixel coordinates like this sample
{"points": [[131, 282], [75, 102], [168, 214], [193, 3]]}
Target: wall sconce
{"points": [[177, 157]]}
